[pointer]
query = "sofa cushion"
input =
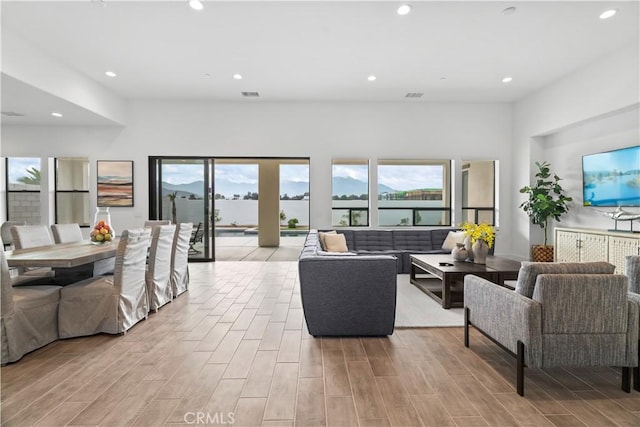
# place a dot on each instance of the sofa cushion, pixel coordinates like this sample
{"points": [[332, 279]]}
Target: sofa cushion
{"points": [[335, 243], [529, 272], [348, 234], [373, 240], [321, 238], [413, 240]]}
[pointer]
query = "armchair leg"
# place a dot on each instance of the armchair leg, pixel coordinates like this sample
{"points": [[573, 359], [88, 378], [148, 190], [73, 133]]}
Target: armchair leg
{"points": [[466, 326], [520, 368], [626, 379]]}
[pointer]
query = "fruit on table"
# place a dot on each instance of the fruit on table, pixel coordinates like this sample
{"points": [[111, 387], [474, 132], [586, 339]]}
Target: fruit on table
{"points": [[102, 232]]}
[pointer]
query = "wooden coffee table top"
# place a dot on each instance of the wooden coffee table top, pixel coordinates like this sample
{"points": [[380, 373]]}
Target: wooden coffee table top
{"points": [[494, 264]]}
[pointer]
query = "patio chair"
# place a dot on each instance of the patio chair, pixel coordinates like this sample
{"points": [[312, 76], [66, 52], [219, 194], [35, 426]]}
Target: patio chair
{"points": [[196, 237]]}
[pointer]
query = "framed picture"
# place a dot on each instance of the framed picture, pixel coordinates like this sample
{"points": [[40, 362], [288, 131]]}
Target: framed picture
{"points": [[115, 183]]}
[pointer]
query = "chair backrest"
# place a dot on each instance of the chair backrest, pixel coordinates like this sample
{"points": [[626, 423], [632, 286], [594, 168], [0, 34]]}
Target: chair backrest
{"points": [[633, 272], [6, 294], [180, 257], [582, 303], [153, 223], [66, 233], [131, 262], [529, 272], [31, 236], [159, 264], [5, 231]]}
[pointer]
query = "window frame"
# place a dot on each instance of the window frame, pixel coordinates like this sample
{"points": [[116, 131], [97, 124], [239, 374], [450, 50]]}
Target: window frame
{"points": [[351, 210], [56, 191]]}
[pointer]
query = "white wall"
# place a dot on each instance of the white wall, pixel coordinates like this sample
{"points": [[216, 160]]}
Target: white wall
{"points": [[605, 88], [567, 147], [320, 131]]}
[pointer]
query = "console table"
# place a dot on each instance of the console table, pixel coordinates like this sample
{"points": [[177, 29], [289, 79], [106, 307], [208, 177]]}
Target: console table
{"points": [[586, 245], [449, 292]]}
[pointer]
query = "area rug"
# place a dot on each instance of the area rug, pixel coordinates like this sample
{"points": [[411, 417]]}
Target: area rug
{"points": [[414, 309]]}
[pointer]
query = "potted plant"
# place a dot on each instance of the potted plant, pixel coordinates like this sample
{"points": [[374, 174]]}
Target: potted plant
{"points": [[174, 211], [545, 200]]}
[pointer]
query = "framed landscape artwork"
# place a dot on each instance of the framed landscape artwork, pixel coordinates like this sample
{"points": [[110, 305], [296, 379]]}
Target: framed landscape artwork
{"points": [[115, 183]]}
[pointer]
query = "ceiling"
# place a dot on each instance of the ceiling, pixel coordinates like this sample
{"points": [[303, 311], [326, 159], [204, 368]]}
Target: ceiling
{"points": [[450, 51]]}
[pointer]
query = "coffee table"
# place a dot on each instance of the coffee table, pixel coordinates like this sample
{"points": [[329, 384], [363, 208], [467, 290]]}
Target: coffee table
{"points": [[450, 290]]}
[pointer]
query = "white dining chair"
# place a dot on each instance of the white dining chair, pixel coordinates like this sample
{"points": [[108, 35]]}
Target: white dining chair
{"points": [[180, 258], [152, 223], [110, 304], [28, 316], [66, 233], [158, 276], [32, 236], [5, 233]]}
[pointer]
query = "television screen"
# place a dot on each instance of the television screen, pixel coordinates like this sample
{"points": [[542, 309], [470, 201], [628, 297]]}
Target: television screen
{"points": [[612, 178]]}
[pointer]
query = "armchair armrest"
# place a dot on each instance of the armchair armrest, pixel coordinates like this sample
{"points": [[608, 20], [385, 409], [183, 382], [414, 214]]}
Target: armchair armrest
{"points": [[505, 316]]}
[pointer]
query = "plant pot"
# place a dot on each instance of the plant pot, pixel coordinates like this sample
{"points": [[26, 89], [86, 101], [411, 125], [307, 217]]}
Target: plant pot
{"points": [[542, 253]]}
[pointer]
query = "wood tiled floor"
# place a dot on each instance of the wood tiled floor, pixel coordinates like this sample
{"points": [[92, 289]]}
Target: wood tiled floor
{"points": [[235, 348]]}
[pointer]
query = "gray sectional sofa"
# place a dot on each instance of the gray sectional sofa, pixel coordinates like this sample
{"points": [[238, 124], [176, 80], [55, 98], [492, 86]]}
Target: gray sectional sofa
{"points": [[354, 293]]}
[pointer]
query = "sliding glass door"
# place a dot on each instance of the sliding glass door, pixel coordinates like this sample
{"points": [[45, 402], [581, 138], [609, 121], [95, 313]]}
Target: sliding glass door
{"points": [[181, 191]]}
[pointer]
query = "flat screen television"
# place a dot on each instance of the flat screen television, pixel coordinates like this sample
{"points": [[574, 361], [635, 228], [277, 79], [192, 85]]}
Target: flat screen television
{"points": [[612, 178]]}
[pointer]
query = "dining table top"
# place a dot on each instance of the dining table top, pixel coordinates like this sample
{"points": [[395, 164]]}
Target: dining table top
{"points": [[62, 255]]}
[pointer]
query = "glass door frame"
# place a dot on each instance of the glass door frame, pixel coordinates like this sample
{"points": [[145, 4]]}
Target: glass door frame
{"points": [[156, 199]]}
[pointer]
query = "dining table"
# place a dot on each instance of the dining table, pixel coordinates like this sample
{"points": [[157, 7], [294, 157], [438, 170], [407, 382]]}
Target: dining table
{"points": [[70, 261]]}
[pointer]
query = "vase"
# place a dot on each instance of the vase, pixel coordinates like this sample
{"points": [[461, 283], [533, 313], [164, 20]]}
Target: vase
{"points": [[480, 252], [459, 253], [102, 214], [468, 247]]}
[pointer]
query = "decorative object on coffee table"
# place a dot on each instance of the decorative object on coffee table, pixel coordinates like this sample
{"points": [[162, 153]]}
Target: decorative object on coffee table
{"points": [[459, 253], [546, 200], [480, 251], [482, 237]]}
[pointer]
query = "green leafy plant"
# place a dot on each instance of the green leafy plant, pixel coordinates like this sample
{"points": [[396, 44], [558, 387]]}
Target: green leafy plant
{"points": [[283, 216], [292, 223], [33, 177], [546, 198]]}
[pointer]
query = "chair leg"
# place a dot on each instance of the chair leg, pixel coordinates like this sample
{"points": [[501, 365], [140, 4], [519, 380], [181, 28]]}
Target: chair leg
{"points": [[466, 326], [626, 379], [520, 368]]}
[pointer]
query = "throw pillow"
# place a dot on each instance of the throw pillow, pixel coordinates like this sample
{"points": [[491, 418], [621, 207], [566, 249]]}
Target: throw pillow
{"points": [[321, 238], [452, 238], [335, 243]]}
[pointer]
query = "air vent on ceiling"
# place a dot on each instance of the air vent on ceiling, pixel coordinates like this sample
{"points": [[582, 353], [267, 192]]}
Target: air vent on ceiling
{"points": [[12, 114], [250, 94], [414, 95]]}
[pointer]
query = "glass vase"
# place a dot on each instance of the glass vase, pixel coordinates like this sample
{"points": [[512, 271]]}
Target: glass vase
{"points": [[102, 216]]}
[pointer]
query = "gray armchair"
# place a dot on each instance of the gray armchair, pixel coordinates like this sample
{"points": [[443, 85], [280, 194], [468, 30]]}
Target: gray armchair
{"points": [[633, 273], [581, 316]]}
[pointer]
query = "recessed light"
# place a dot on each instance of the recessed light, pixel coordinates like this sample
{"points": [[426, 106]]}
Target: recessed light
{"points": [[110, 73], [509, 11], [404, 9], [443, 78], [196, 4], [371, 78], [608, 13], [207, 75], [56, 114], [507, 79], [237, 76]]}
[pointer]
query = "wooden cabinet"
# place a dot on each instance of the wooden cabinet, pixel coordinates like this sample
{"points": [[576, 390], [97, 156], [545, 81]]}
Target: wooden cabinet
{"points": [[584, 245]]}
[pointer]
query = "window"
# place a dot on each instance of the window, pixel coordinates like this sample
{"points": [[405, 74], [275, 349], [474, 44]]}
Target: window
{"points": [[23, 189], [350, 195], [478, 191], [72, 191], [414, 193]]}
